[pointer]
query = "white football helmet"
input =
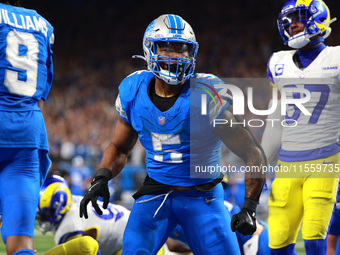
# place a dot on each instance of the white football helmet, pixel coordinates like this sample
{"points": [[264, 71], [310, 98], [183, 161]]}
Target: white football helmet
{"points": [[313, 14], [168, 31]]}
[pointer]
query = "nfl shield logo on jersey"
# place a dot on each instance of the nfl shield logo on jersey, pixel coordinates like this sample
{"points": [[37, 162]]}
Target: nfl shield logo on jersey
{"points": [[161, 120]]}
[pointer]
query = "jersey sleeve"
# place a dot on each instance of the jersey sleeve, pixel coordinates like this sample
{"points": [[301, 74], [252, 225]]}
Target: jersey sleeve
{"points": [[121, 110], [218, 99], [222, 100], [128, 89], [215, 84], [49, 61], [338, 65], [49, 66]]}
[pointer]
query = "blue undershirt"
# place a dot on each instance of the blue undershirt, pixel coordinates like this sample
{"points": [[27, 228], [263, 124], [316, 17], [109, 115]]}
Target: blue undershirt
{"points": [[307, 56]]}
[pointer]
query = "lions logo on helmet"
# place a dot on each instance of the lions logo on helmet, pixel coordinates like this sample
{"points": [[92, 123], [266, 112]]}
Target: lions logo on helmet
{"points": [[169, 30], [313, 14], [55, 200]]}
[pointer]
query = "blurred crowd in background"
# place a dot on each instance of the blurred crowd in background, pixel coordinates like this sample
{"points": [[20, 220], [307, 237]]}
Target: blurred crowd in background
{"points": [[94, 43]]}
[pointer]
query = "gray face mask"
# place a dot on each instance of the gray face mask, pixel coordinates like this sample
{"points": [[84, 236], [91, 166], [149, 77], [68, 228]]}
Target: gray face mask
{"points": [[47, 226]]}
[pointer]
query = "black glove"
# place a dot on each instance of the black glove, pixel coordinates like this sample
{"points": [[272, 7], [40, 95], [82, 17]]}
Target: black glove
{"points": [[99, 188], [245, 221]]}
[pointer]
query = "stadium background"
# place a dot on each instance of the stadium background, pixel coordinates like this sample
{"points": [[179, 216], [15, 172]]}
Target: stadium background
{"points": [[92, 54]]}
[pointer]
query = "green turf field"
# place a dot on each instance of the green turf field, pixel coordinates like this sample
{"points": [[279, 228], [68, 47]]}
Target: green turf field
{"points": [[300, 246], [43, 243]]}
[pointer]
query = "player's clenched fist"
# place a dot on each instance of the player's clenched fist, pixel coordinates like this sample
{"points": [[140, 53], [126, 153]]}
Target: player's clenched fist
{"points": [[99, 188], [244, 221]]}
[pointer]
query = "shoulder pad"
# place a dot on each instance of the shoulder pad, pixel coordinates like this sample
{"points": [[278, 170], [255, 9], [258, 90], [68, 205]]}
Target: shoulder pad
{"points": [[130, 85], [211, 82], [215, 94], [202, 83], [275, 64], [280, 55], [209, 79]]}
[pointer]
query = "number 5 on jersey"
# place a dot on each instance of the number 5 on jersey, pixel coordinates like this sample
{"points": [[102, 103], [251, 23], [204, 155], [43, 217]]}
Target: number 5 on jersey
{"points": [[170, 156]]}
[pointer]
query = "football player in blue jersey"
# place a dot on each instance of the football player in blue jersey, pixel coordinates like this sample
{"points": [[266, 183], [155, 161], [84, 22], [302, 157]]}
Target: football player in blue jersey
{"points": [[304, 192], [155, 107], [26, 75]]}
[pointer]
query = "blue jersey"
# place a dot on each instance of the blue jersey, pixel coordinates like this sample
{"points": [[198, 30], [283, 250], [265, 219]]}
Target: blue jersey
{"points": [[26, 75], [166, 136]]}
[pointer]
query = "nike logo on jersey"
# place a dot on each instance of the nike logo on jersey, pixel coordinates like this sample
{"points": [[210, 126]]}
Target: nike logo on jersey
{"points": [[326, 163], [209, 200]]}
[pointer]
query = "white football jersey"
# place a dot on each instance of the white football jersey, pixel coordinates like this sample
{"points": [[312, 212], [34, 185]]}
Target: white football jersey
{"points": [[321, 78], [110, 225]]}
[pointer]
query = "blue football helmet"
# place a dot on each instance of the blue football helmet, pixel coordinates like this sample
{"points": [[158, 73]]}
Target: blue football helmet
{"points": [[172, 32], [313, 14], [54, 201]]}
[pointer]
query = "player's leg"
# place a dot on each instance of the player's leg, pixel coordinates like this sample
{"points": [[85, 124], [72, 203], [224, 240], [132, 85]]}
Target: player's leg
{"points": [[334, 232], [263, 247], [19, 194], [205, 222], [337, 249], [84, 245], [331, 244], [319, 197], [149, 225], [285, 214]]}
